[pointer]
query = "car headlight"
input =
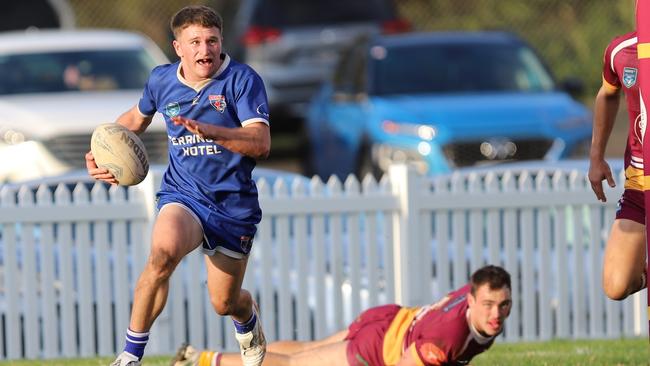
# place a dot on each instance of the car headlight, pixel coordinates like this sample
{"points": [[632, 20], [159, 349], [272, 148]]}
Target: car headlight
{"points": [[11, 137], [424, 132], [386, 155]]}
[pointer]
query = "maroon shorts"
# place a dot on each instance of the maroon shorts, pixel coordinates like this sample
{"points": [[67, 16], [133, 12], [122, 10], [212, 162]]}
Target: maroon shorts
{"points": [[631, 206], [366, 335]]}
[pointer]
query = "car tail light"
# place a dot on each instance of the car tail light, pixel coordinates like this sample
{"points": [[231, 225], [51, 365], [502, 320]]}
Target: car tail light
{"points": [[259, 35], [395, 26]]}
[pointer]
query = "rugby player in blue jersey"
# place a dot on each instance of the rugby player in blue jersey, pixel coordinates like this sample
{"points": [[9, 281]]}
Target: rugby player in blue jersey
{"points": [[216, 112]]}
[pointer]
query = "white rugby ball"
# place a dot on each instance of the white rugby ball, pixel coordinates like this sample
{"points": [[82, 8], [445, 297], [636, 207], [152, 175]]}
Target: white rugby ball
{"points": [[121, 152]]}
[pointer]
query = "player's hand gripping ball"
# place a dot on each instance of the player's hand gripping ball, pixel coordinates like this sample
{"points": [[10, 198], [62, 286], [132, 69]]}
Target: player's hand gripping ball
{"points": [[121, 152]]}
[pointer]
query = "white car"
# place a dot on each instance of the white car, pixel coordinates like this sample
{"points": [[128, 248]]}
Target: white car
{"points": [[56, 86]]}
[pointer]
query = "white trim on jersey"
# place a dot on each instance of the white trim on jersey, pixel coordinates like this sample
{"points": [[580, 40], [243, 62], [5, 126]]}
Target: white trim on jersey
{"points": [[626, 43], [198, 85], [253, 120], [139, 111]]}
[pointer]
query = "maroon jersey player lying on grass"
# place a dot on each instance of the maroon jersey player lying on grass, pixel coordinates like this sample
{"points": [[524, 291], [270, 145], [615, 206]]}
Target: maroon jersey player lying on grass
{"points": [[450, 332]]}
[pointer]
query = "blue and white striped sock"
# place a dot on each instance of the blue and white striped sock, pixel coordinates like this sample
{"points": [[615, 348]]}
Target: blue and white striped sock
{"points": [[247, 326], [136, 342]]}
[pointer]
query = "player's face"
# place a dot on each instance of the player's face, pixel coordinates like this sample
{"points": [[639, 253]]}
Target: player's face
{"points": [[489, 309], [199, 49]]}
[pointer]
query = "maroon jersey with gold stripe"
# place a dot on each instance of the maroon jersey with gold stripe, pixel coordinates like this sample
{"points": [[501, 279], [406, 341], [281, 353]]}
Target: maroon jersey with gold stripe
{"points": [[447, 327], [438, 334], [621, 71]]}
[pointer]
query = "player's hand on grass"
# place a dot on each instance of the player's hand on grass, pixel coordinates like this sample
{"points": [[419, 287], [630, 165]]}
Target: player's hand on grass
{"points": [[598, 171], [98, 173]]}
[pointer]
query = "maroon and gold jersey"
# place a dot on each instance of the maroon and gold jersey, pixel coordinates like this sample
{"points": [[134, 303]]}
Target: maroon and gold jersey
{"points": [[438, 334], [621, 71]]}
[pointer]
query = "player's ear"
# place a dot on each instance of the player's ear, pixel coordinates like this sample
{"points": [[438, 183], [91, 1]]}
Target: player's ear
{"points": [[177, 48], [471, 300]]}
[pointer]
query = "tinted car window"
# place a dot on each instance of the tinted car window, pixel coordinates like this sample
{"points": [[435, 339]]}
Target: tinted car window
{"points": [[291, 13], [65, 71], [350, 74], [449, 68]]}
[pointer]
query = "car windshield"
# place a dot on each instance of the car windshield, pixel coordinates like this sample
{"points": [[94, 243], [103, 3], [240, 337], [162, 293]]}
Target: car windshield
{"points": [[456, 68], [291, 13], [74, 71]]}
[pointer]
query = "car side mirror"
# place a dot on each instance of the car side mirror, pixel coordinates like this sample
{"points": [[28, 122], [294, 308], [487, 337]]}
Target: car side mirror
{"points": [[574, 86]]}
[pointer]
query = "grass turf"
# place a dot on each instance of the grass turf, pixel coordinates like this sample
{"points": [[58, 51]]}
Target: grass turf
{"points": [[567, 352], [560, 352]]}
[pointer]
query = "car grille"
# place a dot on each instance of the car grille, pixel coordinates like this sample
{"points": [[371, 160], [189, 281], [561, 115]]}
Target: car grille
{"points": [[469, 153], [70, 149]]}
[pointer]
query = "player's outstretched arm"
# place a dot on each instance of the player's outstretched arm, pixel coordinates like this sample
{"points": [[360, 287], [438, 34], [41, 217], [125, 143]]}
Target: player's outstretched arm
{"points": [[605, 108], [253, 140]]}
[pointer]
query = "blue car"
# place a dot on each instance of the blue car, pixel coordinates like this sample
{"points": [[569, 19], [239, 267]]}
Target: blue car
{"points": [[441, 101]]}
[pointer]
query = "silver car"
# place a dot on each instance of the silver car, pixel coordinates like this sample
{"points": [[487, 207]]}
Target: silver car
{"points": [[57, 86]]}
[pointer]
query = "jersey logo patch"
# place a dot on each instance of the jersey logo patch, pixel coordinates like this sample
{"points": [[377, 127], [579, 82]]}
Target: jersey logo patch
{"points": [[432, 354], [172, 109], [218, 102], [629, 76], [262, 111]]}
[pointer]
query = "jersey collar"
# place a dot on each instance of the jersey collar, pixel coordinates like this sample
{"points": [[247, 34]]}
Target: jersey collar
{"points": [[475, 334]]}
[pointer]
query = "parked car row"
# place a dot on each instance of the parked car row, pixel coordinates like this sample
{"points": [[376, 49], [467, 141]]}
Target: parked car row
{"points": [[370, 92]]}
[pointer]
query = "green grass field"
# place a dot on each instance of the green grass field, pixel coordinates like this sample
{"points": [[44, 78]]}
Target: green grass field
{"points": [[587, 353]]}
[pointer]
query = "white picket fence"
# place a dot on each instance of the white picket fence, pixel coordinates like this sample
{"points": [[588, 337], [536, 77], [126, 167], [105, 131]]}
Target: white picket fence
{"points": [[324, 252]]}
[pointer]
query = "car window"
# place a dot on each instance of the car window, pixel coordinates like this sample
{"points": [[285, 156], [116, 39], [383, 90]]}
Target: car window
{"points": [[291, 13], [350, 72], [450, 68], [69, 71]]}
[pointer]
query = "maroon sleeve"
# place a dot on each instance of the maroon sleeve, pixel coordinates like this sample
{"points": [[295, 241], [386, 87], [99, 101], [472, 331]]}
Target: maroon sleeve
{"points": [[609, 72]]}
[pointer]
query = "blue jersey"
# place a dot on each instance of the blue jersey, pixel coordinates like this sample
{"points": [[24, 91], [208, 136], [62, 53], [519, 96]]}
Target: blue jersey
{"points": [[200, 168]]}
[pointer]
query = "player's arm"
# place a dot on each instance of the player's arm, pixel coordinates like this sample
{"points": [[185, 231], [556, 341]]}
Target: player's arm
{"points": [[134, 120], [427, 354], [605, 109], [253, 140]]}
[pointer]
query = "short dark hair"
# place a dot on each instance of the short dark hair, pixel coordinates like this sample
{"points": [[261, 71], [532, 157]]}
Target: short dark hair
{"points": [[195, 15], [495, 276]]}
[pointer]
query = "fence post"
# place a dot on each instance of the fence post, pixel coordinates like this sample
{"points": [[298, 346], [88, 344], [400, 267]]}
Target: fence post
{"points": [[407, 249]]}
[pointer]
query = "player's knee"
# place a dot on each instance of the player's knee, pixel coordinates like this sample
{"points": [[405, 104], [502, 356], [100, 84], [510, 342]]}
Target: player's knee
{"points": [[615, 287], [222, 306]]}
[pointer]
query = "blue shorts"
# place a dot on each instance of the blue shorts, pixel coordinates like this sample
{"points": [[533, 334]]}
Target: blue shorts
{"points": [[229, 237]]}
